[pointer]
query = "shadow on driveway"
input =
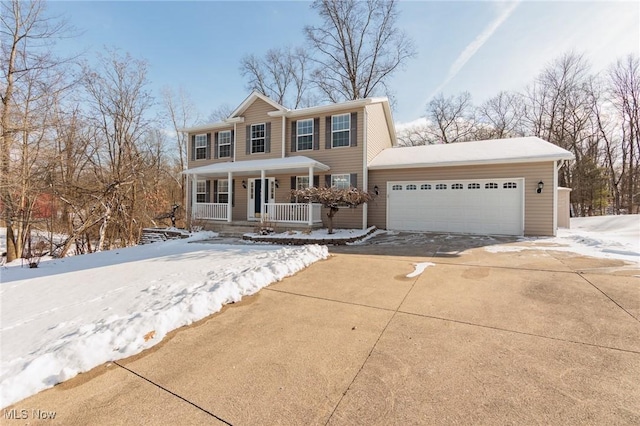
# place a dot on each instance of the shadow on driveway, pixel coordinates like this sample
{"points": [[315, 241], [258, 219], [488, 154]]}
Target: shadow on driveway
{"points": [[427, 244]]}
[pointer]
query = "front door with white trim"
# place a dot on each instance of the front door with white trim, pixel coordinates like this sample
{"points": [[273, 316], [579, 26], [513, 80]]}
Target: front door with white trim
{"points": [[257, 189]]}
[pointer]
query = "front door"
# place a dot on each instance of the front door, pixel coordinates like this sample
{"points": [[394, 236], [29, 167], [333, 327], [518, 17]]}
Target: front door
{"points": [[260, 189]]}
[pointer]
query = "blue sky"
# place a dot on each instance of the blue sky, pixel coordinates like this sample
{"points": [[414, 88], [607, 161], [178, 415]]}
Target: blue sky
{"points": [[479, 46]]}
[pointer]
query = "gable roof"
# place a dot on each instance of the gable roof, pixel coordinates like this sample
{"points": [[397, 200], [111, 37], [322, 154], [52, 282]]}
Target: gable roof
{"points": [[493, 151], [251, 99], [293, 113]]}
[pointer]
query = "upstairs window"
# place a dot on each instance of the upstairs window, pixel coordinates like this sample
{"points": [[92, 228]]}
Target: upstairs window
{"points": [[257, 138], [340, 130], [201, 147], [224, 144], [305, 134]]}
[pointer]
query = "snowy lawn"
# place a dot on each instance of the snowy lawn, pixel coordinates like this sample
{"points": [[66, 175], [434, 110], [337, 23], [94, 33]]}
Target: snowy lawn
{"points": [[609, 237], [73, 314]]}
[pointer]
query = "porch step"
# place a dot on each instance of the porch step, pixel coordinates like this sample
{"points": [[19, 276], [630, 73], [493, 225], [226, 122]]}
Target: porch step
{"points": [[154, 235]]}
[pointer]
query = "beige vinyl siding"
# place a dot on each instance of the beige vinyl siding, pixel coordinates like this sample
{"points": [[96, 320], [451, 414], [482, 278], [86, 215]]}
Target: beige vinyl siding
{"points": [[256, 113], [539, 212], [198, 163], [378, 137], [341, 160]]}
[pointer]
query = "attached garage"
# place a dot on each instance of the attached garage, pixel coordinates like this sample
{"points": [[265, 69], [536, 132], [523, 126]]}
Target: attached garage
{"points": [[476, 206], [500, 187]]}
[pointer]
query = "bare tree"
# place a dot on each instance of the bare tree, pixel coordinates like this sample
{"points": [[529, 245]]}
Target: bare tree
{"points": [[119, 103], [502, 116], [332, 198], [560, 109], [357, 47], [180, 113], [221, 113], [281, 74], [452, 119], [31, 78], [624, 95], [414, 134]]}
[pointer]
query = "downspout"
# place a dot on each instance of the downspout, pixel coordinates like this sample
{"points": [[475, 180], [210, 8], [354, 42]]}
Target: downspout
{"points": [[235, 140], [365, 170], [556, 166]]}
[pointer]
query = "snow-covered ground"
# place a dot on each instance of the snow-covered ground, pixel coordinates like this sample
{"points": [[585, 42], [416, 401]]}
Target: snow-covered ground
{"points": [[609, 237], [73, 314], [70, 315]]}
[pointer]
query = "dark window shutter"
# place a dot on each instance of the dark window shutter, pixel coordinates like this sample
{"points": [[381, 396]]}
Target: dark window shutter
{"points": [[267, 137], [193, 147], [233, 192], [354, 129], [327, 132], [294, 139], [316, 133], [354, 180], [316, 181], [233, 143], [327, 181], [248, 140], [215, 191], [208, 146], [215, 145], [207, 197], [293, 183]]}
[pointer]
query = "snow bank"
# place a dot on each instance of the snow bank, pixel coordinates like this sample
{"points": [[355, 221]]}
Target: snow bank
{"points": [[609, 237], [74, 314]]}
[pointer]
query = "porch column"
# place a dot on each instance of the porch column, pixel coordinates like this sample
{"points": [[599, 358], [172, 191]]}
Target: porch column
{"points": [[194, 190], [310, 207], [230, 197], [264, 190]]}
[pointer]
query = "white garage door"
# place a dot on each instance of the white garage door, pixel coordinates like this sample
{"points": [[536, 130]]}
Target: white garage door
{"points": [[481, 206]]}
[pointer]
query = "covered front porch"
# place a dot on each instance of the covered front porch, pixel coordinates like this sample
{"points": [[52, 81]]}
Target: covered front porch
{"points": [[254, 191]]}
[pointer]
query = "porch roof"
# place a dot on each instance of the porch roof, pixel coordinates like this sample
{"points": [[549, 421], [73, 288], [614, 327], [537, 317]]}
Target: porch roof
{"points": [[254, 167]]}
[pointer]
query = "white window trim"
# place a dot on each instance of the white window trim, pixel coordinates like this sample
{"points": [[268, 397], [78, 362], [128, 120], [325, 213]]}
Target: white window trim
{"points": [[264, 138], [224, 144], [348, 130], [201, 143], [298, 135], [299, 178], [222, 192], [341, 175], [198, 192]]}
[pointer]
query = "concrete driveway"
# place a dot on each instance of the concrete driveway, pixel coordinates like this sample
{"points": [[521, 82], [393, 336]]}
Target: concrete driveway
{"points": [[530, 337]]}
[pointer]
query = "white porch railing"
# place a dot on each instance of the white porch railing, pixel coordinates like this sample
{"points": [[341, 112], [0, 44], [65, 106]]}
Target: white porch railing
{"points": [[293, 212], [215, 211]]}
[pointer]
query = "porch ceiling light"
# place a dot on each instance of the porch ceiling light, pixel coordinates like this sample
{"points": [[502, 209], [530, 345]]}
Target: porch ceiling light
{"points": [[540, 186]]}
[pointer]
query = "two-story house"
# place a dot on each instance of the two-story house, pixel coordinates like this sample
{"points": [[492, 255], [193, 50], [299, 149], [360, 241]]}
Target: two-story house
{"points": [[243, 169]]}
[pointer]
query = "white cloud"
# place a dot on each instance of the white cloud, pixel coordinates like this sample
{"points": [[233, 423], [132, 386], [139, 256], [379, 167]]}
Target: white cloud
{"points": [[471, 49]]}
